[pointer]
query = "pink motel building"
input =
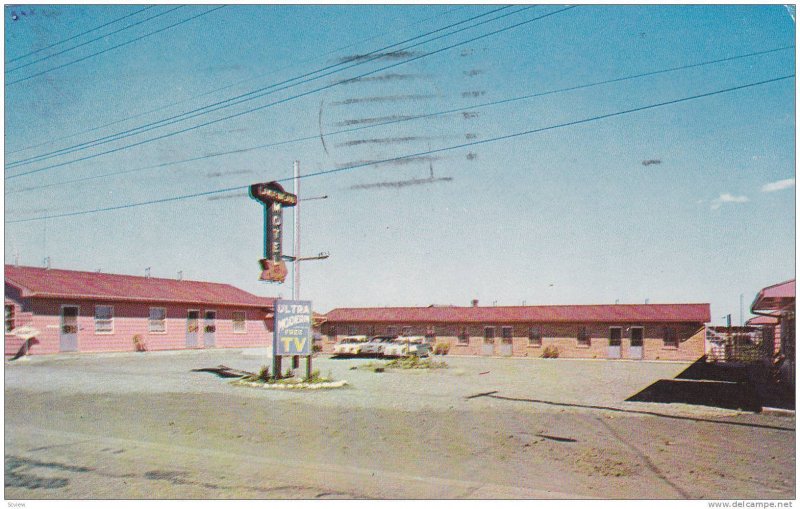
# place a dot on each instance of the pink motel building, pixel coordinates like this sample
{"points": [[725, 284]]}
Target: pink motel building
{"points": [[73, 311], [673, 332]]}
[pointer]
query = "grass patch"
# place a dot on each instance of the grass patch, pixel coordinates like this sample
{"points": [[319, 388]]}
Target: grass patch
{"points": [[263, 376], [403, 363]]}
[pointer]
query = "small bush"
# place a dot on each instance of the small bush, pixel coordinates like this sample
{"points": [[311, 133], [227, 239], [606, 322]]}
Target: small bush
{"points": [[415, 363], [316, 348], [138, 344], [550, 352], [316, 377], [441, 348]]}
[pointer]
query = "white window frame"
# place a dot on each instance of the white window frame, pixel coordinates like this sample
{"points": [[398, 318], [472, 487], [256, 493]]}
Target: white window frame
{"points": [[150, 321], [243, 330], [98, 320]]}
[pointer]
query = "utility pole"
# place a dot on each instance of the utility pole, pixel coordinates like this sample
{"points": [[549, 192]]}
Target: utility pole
{"points": [[296, 264], [741, 310]]}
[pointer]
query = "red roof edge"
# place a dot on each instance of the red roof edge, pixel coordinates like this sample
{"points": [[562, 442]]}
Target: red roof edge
{"points": [[788, 293]]}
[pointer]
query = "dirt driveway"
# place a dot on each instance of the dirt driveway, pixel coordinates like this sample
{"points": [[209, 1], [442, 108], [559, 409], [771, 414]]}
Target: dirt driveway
{"points": [[147, 426]]}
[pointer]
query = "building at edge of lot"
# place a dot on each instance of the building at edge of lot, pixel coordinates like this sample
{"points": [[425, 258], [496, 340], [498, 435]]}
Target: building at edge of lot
{"points": [[774, 307], [617, 331], [74, 311]]}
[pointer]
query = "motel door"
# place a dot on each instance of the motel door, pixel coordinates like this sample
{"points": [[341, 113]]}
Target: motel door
{"points": [[210, 329], [487, 347], [615, 343], [637, 342], [192, 326], [507, 342], [69, 329]]}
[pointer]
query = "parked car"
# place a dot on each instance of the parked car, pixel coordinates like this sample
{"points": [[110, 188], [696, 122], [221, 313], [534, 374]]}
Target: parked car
{"points": [[404, 346], [376, 345], [349, 346]]}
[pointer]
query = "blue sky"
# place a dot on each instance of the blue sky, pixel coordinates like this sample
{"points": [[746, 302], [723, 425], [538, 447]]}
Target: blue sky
{"points": [[689, 202]]}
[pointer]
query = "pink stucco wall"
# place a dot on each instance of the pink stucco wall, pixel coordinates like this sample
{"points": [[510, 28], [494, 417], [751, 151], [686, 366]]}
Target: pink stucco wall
{"points": [[132, 319]]}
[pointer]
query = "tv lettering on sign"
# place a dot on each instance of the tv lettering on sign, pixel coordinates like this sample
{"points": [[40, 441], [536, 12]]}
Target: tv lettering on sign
{"points": [[292, 334]]}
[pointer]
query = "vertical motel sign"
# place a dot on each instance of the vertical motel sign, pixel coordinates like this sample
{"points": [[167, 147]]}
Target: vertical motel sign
{"points": [[274, 198]]}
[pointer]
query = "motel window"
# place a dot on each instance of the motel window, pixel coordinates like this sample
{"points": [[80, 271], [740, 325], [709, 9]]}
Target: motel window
{"points": [[488, 334], [371, 330], [391, 331], [352, 330], [239, 322], [9, 317], [463, 336], [508, 334], [408, 331], [158, 320], [583, 337], [332, 330], [104, 319], [670, 338], [535, 336]]}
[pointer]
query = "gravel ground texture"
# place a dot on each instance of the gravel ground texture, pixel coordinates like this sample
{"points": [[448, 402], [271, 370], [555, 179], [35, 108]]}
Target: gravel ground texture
{"points": [[143, 426]]}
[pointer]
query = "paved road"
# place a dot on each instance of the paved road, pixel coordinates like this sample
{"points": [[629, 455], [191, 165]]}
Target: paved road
{"points": [[146, 426]]}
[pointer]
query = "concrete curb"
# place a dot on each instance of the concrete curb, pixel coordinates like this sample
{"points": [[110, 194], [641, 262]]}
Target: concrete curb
{"points": [[778, 411], [298, 385]]}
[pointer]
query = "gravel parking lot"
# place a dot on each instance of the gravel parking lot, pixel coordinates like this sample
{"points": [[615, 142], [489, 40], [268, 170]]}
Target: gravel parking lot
{"points": [[147, 426]]}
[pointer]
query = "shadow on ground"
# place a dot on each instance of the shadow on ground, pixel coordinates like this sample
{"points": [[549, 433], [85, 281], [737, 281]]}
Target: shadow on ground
{"points": [[734, 386]]}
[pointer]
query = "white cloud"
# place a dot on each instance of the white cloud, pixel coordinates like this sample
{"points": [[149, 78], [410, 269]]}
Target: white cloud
{"points": [[777, 186], [727, 198]]}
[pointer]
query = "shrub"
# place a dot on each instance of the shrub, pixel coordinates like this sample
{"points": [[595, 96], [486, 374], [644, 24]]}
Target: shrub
{"points": [[415, 363], [441, 348], [138, 344], [550, 352], [316, 348]]}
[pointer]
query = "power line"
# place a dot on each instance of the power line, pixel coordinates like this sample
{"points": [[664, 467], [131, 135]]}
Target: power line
{"points": [[114, 47], [166, 106], [258, 108], [416, 117], [78, 35], [93, 40], [254, 94], [428, 152]]}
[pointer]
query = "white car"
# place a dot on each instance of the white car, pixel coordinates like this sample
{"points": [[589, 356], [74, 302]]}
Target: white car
{"points": [[376, 345], [349, 346], [405, 346]]}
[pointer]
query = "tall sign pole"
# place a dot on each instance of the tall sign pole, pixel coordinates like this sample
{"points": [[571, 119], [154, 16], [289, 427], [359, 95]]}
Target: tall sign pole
{"points": [[296, 266]]}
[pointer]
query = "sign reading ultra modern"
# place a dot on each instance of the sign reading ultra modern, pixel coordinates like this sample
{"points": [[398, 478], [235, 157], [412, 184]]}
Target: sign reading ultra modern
{"points": [[292, 333]]}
